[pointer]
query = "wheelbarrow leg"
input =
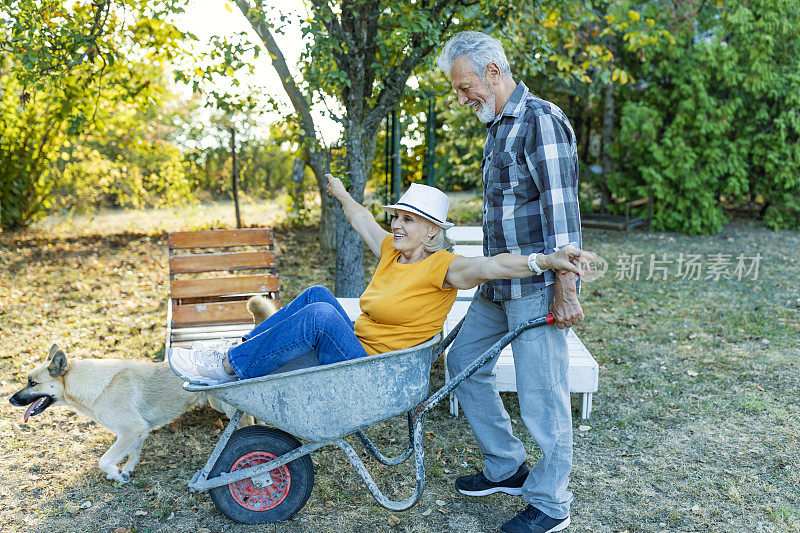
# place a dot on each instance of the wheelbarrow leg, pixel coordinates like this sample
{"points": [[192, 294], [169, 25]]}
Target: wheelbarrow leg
{"points": [[202, 475], [419, 466], [390, 461]]}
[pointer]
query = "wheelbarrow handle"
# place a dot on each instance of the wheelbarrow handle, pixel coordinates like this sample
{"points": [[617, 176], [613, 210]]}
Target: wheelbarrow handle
{"points": [[473, 367]]}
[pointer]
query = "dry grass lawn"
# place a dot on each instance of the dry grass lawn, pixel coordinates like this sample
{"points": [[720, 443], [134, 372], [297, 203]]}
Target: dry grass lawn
{"points": [[695, 426]]}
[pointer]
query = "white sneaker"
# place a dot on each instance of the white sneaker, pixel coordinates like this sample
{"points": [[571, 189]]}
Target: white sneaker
{"points": [[201, 363]]}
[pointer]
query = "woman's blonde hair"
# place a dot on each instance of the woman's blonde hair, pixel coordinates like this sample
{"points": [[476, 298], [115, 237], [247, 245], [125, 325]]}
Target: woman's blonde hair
{"points": [[438, 242]]}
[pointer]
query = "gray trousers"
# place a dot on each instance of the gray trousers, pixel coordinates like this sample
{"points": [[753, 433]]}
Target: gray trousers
{"points": [[541, 362]]}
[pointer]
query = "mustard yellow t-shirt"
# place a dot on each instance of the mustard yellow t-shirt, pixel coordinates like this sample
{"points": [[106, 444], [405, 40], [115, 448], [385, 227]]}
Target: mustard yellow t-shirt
{"points": [[404, 304]]}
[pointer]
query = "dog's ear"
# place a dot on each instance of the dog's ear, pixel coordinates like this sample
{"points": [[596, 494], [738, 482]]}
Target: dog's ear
{"points": [[54, 349], [58, 364]]}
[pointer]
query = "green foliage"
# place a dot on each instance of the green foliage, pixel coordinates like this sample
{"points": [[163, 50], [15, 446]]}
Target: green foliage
{"points": [[264, 165], [71, 148], [85, 112], [718, 120], [30, 138], [706, 112], [568, 59]]}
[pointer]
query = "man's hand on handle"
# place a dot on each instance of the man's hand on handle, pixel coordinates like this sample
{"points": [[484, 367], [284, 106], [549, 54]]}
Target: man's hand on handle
{"points": [[565, 307]]}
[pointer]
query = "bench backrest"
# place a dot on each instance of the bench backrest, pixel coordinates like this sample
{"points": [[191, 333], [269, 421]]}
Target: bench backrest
{"points": [[199, 294], [468, 241]]}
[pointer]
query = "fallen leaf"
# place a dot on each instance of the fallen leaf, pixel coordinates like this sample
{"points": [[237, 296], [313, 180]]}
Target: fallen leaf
{"points": [[440, 503], [329, 503], [393, 520], [85, 505], [140, 513], [426, 512], [72, 508]]}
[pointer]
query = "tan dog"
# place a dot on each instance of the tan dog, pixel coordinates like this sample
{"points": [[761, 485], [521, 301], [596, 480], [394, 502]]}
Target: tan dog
{"points": [[130, 398]]}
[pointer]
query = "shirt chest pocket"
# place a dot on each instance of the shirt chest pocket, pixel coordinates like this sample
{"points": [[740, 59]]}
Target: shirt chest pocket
{"points": [[511, 179], [505, 172]]}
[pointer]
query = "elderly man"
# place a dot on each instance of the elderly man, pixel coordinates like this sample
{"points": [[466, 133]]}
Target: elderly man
{"points": [[530, 206]]}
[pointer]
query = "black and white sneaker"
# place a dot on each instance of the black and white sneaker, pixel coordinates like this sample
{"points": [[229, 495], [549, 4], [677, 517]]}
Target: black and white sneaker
{"points": [[532, 520], [478, 485]]}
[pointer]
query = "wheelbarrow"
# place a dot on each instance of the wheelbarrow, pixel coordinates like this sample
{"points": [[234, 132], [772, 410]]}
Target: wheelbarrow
{"points": [[261, 474]]}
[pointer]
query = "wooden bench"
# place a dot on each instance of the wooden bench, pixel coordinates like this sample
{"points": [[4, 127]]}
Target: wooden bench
{"points": [[619, 222], [206, 302], [583, 369]]}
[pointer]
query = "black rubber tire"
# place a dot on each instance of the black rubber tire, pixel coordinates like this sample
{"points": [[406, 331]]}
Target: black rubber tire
{"points": [[276, 442]]}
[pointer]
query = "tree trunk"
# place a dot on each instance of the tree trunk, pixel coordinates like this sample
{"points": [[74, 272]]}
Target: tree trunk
{"points": [[360, 144], [298, 169], [608, 138], [235, 178], [320, 165], [327, 222], [587, 133]]}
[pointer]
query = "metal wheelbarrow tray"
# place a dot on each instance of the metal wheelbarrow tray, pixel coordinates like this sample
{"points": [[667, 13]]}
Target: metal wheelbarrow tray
{"points": [[263, 474]]}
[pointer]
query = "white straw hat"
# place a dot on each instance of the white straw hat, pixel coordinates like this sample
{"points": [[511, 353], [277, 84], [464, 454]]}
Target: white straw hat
{"points": [[427, 202]]}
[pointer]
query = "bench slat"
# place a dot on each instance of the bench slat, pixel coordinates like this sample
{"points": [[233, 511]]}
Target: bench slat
{"points": [[465, 234], [179, 264], [211, 313], [615, 222], [468, 250], [194, 288], [220, 238], [640, 201], [218, 329], [210, 332]]}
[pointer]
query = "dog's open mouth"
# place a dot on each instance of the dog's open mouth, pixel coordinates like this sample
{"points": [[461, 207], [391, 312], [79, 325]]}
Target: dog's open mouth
{"points": [[40, 404]]}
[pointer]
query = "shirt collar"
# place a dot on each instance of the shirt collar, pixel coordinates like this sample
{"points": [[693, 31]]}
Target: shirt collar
{"points": [[514, 106]]}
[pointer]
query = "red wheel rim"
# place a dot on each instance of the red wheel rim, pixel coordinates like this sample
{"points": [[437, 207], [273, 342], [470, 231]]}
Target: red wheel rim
{"points": [[265, 498]]}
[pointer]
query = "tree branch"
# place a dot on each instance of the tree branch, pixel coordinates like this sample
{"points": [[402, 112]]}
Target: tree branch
{"points": [[94, 34], [299, 102], [335, 31], [395, 81]]}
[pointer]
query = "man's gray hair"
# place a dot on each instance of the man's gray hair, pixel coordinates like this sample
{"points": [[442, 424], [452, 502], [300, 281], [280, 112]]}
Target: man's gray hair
{"points": [[480, 50]]}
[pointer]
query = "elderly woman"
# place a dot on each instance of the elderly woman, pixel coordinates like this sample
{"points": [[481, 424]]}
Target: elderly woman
{"points": [[405, 303]]}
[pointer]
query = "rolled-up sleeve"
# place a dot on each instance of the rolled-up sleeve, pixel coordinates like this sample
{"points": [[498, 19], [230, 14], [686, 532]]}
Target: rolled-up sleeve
{"points": [[552, 159]]}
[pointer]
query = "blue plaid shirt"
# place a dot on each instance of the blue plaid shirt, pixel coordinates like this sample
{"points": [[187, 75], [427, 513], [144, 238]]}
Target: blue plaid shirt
{"points": [[530, 187]]}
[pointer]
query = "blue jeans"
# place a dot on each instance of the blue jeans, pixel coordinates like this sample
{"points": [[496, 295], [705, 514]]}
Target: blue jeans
{"points": [[541, 361], [314, 321]]}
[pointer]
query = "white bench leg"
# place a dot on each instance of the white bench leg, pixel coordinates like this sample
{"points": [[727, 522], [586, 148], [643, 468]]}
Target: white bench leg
{"points": [[586, 405], [453, 404]]}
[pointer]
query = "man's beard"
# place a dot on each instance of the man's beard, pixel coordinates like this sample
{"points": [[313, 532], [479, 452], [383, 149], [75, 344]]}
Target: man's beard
{"points": [[486, 113]]}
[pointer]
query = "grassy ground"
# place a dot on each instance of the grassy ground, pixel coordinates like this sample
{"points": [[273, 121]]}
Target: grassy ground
{"points": [[695, 426]]}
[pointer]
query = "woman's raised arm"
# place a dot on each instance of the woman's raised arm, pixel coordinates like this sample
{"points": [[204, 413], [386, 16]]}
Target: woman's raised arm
{"points": [[468, 272], [359, 216]]}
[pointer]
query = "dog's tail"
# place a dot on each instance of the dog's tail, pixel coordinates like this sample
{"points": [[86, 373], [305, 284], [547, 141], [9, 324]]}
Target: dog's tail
{"points": [[261, 308]]}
